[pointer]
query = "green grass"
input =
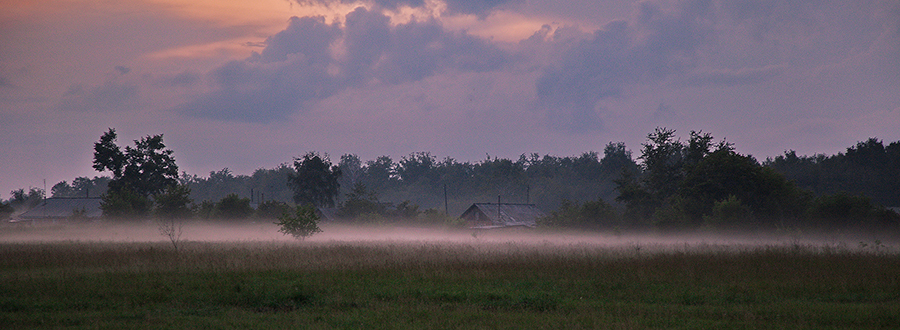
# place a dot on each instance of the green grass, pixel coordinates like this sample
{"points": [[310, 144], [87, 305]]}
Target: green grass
{"points": [[353, 285]]}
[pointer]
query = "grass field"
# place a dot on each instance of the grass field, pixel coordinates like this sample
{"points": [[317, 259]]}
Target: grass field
{"points": [[389, 278]]}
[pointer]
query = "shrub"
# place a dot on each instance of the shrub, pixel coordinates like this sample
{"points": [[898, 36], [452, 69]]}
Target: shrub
{"points": [[302, 224], [730, 211], [124, 203], [233, 207], [272, 209], [173, 202], [593, 214]]}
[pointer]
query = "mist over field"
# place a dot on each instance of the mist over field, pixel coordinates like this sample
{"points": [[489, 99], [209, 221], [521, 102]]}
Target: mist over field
{"points": [[266, 233], [115, 275]]}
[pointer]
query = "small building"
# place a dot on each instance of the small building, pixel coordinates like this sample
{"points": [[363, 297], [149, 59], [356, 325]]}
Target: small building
{"points": [[501, 215], [63, 208], [327, 214]]}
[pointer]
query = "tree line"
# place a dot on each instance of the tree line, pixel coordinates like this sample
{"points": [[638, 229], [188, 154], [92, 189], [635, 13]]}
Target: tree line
{"points": [[671, 184]]}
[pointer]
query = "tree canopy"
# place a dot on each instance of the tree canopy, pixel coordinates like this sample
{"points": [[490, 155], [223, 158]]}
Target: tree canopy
{"points": [[315, 180], [139, 172]]}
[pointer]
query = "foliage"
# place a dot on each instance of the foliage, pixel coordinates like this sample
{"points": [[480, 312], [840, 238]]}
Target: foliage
{"points": [[729, 211], [139, 172], [870, 168], [434, 216], [682, 183], [272, 209], [361, 201], [233, 207], [406, 210], [174, 202], [315, 180], [591, 214], [845, 210], [22, 201], [125, 204], [302, 224], [206, 210], [5, 210], [263, 184], [145, 169]]}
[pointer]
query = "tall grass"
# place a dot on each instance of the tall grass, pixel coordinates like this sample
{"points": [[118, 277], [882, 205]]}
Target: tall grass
{"points": [[422, 284]]}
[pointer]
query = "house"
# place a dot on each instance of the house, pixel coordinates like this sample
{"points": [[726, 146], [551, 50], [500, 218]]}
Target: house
{"points": [[63, 208], [500, 215], [327, 214]]}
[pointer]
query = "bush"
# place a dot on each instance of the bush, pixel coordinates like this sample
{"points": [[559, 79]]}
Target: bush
{"points": [[302, 224], [5, 210], [591, 214], [436, 217], [845, 210], [124, 203], [174, 202], [730, 211], [232, 207], [272, 209]]}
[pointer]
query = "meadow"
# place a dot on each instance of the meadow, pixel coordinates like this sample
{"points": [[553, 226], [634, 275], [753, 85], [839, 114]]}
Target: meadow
{"points": [[114, 277]]}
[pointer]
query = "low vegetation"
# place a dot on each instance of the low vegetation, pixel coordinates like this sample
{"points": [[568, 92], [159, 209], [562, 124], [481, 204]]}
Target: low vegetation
{"points": [[498, 284]]}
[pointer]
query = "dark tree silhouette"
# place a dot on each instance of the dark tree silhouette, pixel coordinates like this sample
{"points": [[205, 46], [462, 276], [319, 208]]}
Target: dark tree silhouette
{"points": [[315, 180]]}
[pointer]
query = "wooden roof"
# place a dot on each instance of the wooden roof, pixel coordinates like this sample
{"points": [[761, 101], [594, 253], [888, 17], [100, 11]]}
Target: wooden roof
{"points": [[62, 208], [493, 215]]}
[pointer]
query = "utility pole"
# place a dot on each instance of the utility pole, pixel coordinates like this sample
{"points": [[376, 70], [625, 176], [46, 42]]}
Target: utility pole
{"points": [[498, 207]]}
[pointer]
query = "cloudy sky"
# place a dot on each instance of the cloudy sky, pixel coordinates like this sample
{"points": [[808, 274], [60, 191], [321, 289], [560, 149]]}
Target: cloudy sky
{"points": [[252, 84]]}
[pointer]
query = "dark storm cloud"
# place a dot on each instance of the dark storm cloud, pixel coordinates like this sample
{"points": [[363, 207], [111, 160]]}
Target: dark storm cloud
{"points": [[308, 37], [311, 60], [654, 45], [699, 43], [422, 49]]}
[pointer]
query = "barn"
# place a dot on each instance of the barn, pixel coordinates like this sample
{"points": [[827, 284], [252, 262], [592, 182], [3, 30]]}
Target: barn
{"points": [[64, 208], [501, 215]]}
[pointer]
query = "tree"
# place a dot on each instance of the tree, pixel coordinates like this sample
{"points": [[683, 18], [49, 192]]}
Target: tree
{"points": [[361, 201], [272, 209], [5, 210], [62, 189], [590, 214], [416, 167], [171, 209], [174, 202], [315, 180], [662, 158], [301, 224], [138, 173], [122, 204], [380, 173], [233, 207], [351, 170], [26, 201]]}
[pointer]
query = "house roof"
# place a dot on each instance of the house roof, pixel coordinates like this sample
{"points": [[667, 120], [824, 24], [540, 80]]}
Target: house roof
{"points": [[328, 213], [504, 214], [61, 208]]}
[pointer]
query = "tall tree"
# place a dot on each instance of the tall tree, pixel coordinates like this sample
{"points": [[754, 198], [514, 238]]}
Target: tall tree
{"points": [[139, 172], [146, 169], [315, 180]]}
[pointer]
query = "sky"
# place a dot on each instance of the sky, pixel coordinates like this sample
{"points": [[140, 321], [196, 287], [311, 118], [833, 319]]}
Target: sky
{"points": [[252, 84]]}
